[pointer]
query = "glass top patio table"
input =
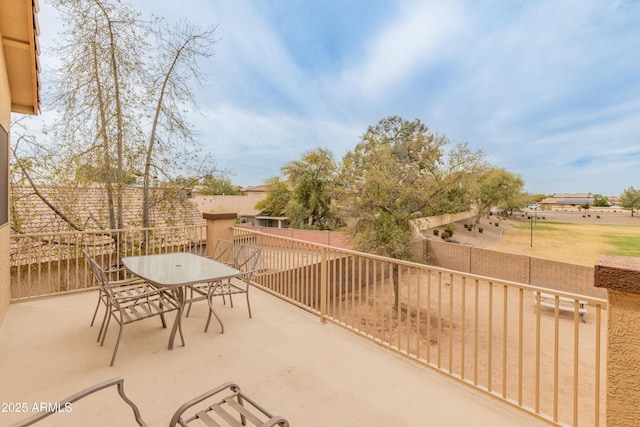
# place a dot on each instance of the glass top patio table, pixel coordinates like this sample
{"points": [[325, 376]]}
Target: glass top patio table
{"points": [[177, 270]]}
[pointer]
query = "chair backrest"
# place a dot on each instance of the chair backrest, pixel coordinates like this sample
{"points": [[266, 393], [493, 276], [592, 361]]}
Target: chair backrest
{"points": [[68, 402], [248, 260], [98, 273], [225, 251]]}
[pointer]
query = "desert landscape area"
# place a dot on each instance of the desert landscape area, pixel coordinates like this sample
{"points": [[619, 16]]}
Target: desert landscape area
{"points": [[570, 237]]}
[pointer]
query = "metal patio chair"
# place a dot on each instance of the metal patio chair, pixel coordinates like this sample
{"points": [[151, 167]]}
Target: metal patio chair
{"points": [[65, 403], [226, 405], [128, 304], [247, 261], [224, 251], [102, 297]]}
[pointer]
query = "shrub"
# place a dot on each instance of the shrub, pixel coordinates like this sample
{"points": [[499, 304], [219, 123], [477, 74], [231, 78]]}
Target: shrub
{"points": [[445, 235], [497, 224], [450, 229], [480, 229], [589, 215], [436, 232], [598, 216]]}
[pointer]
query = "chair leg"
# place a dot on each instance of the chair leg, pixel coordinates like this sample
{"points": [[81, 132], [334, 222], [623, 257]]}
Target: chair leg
{"points": [[190, 297], [115, 350], [248, 305], [93, 319], [102, 326], [104, 333], [180, 327], [164, 322], [212, 311]]}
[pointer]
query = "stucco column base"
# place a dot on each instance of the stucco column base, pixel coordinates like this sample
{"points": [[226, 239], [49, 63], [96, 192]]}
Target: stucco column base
{"points": [[621, 277], [219, 226]]}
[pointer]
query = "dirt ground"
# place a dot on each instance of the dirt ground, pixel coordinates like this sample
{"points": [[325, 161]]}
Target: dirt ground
{"points": [[583, 247]]}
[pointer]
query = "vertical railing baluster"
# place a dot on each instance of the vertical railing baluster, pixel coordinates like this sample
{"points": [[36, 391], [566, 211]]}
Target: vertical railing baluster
{"points": [[323, 286]]}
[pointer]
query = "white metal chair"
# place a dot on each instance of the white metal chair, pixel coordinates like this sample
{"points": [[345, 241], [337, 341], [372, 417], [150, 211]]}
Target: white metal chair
{"points": [[224, 251], [102, 297], [226, 405], [66, 403], [247, 261], [128, 304]]}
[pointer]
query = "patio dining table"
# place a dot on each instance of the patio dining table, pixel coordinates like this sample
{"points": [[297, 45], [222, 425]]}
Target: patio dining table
{"points": [[177, 270]]}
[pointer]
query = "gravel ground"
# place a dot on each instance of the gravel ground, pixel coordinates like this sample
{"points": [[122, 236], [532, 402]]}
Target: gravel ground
{"points": [[493, 234]]}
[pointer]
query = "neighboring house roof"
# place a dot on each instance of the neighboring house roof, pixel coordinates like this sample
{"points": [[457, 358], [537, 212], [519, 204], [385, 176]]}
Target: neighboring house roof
{"points": [[242, 205], [575, 199], [567, 200], [19, 31], [256, 189], [87, 206]]}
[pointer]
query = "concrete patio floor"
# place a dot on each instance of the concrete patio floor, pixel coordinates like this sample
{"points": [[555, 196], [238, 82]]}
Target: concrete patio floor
{"points": [[310, 373]]}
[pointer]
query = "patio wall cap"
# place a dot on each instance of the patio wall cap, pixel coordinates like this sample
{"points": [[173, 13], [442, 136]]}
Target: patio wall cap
{"points": [[217, 216], [620, 273]]}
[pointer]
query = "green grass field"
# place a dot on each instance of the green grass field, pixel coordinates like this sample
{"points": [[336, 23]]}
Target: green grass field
{"points": [[625, 245], [571, 242]]}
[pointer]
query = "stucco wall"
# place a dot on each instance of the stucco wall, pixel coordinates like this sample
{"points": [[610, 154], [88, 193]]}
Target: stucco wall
{"points": [[620, 276], [5, 121]]}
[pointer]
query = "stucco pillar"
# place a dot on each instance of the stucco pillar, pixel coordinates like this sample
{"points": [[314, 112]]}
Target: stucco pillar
{"points": [[219, 226], [621, 277]]}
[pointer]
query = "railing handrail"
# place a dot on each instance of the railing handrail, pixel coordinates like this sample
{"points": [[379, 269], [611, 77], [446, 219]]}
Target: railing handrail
{"points": [[105, 232], [526, 286]]}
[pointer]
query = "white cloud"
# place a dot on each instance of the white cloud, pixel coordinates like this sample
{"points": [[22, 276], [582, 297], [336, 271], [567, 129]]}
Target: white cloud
{"points": [[254, 146], [398, 52]]}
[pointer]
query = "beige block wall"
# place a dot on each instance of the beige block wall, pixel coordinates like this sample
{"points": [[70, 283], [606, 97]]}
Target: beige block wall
{"points": [[5, 120], [560, 276], [500, 265]]}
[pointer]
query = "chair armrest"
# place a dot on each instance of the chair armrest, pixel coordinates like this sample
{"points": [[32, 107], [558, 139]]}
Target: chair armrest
{"points": [[119, 382], [235, 389]]}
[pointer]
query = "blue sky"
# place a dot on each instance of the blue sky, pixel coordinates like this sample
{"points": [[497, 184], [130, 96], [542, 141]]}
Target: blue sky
{"points": [[549, 89]]}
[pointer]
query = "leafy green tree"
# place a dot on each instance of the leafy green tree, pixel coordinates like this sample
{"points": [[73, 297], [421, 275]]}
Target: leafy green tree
{"points": [[600, 201], [397, 172], [312, 178], [496, 187], [278, 196], [630, 199], [212, 186]]}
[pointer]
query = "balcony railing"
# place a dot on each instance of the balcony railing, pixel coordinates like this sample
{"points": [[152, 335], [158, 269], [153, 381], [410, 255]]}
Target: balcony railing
{"points": [[491, 334], [47, 264]]}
